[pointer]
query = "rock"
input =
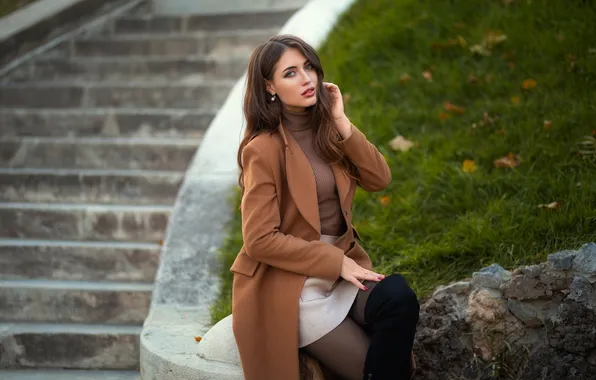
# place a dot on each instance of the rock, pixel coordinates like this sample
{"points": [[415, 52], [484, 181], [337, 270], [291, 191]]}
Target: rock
{"points": [[539, 324], [585, 260], [491, 277], [562, 260], [523, 287], [581, 291]]}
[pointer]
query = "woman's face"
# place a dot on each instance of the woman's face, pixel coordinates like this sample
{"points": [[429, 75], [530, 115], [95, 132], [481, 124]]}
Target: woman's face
{"points": [[294, 81]]}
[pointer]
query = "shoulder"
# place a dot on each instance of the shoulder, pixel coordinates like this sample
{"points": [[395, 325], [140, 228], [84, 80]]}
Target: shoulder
{"points": [[268, 146]]}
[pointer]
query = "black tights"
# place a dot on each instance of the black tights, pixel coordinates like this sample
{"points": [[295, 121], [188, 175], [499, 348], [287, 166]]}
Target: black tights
{"points": [[375, 340]]}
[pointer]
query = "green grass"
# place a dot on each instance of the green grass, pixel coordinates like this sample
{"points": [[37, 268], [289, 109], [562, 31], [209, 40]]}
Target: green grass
{"points": [[440, 224], [9, 6]]}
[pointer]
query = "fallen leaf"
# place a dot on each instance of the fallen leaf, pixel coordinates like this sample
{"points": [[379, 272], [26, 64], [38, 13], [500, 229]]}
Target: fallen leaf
{"points": [[453, 108], [405, 78], [480, 50], [472, 79], [528, 84], [443, 115], [428, 76], [400, 143], [385, 200], [548, 124], [462, 41], [198, 338], [469, 166], [572, 60], [515, 100], [494, 38], [551, 206], [509, 161]]}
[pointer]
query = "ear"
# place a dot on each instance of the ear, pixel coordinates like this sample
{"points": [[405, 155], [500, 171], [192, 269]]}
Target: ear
{"points": [[269, 86]]}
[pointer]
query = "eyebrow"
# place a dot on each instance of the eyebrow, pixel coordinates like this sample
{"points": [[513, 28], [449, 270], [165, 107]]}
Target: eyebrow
{"points": [[293, 67]]}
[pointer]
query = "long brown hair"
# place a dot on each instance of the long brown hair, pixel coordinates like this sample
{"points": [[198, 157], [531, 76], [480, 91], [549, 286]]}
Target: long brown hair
{"points": [[263, 115]]}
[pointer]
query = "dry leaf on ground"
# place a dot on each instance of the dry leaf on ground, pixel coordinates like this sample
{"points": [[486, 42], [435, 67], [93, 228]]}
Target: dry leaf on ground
{"points": [[509, 161], [551, 206], [401, 143], [469, 166], [453, 108], [198, 338], [548, 124], [528, 84], [428, 76], [405, 78]]}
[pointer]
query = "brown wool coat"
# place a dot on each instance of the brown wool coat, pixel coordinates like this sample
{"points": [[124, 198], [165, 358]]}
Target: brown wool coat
{"points": [[281, 229]]}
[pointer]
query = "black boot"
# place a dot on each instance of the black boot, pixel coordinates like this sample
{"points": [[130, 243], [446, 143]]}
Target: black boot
{"points": [[391, 312]]}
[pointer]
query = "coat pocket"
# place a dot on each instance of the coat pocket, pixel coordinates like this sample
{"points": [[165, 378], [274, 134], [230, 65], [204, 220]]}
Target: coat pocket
{"points": [[245, 265]]}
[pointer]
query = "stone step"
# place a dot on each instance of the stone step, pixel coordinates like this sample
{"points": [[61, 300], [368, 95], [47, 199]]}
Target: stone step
{"points": [[57, 301], [47, 374], [78, 260], [63, 346], [226, 21], [83, 221], [119, 153], [237, 43], [156, 123], [91, 95], [129, 69], [89, 186]]}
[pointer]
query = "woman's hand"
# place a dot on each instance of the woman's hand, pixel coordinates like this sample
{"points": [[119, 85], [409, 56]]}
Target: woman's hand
{"points": [[354, 273], [342, 123], [337, 110]]}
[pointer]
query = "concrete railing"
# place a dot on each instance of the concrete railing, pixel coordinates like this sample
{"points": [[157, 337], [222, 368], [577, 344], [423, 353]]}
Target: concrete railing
{"points": [[187, 282], [44, 20]]}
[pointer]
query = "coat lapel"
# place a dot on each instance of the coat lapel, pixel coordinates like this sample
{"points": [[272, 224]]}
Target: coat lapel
{"points": [[301, 181]]}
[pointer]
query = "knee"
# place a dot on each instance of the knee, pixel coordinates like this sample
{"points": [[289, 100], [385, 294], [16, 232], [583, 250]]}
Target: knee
{"points": [[393, 295]]}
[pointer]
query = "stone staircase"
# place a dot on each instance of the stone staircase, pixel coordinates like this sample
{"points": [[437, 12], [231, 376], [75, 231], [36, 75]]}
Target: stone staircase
{"points": [[95, 137]]}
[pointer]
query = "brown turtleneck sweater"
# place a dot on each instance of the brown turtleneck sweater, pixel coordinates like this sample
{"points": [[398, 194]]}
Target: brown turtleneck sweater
{"points": [[332, 221]]}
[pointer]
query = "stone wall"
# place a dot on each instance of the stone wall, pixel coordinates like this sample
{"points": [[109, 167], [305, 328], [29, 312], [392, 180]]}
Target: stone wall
{"points": [[537, 322]]}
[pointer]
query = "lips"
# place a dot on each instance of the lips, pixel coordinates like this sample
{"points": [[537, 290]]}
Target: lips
{"points": [[308, 90]]}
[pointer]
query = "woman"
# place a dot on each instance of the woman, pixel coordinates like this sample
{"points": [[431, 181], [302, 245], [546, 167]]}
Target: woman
{"points": [[301, 280]]}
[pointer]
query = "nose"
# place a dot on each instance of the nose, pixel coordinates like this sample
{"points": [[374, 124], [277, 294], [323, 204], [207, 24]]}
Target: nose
{"points": [[306, 79]]}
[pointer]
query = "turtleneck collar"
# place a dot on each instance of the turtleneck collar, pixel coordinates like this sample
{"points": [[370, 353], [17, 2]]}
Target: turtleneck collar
{"points": [[296, 121]]}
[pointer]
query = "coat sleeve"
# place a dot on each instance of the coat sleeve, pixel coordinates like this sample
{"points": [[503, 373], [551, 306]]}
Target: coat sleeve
{"points": [[375, 174], [261, 221]]}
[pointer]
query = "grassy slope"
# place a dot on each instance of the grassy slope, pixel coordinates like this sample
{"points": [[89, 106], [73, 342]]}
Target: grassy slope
{"points": [[437, 223]]}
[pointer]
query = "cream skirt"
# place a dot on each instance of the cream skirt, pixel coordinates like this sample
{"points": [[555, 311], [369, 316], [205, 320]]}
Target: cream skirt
{"points": [[323, 304]]}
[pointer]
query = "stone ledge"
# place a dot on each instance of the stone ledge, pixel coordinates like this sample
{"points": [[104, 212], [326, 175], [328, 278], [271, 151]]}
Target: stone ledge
{"points": [[44, 20]]}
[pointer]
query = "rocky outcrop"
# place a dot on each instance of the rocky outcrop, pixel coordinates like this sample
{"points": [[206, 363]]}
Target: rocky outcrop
{"points": [[537, 322]]}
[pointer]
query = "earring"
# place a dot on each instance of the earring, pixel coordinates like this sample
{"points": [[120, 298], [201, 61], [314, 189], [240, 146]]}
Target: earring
{"points": [[273, 97]]}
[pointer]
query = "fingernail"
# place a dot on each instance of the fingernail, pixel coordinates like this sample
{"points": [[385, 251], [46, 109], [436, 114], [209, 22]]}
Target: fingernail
{"points": [[381, 277], [365, 288]]}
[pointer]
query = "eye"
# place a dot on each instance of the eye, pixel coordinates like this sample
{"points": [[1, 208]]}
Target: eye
{"points": [[287, 75], [309, 66]]}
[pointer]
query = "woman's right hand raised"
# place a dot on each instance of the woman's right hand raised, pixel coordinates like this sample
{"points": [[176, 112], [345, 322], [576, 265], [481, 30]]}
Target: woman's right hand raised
{"points": [[354, 273]]}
